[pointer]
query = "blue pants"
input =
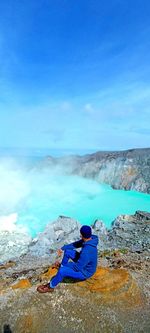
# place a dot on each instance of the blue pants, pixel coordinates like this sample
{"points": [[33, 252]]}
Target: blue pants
{"points": [[66, 269]]}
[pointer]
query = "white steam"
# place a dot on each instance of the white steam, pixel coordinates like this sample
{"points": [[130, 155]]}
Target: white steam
{"points": [[30, 197], [14, 186]]}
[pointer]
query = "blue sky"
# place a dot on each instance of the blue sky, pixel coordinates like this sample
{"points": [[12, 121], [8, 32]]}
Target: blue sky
{"points": [[75, 74]]}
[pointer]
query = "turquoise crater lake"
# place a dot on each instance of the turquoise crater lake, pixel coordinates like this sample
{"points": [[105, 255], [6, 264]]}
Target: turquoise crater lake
{"points": [[39, 196], [82, 199]]}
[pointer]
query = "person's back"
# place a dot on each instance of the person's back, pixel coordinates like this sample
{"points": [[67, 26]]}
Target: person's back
{"points": [[87, 261]]}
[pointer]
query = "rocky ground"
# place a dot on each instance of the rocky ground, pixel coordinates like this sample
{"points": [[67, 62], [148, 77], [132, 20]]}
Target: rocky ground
{"points": [[116, 299]]}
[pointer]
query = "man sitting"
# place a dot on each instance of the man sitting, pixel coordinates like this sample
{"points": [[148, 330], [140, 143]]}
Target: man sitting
{"points": [[83, 264]]}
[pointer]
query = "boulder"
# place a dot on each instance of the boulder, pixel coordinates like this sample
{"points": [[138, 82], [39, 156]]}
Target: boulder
{"points": [[131, 231], [56, 234], [101, 231], [13, 244]]}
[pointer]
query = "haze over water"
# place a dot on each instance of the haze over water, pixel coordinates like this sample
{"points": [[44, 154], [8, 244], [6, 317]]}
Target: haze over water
{"points": [[39, 195]]}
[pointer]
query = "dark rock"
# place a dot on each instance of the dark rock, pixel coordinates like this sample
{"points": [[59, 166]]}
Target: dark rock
{"points": [[142, 215], [129, 231]]}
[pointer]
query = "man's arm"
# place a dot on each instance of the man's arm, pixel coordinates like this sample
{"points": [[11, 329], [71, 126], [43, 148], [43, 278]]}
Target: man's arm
{"points": [[73, 245]]}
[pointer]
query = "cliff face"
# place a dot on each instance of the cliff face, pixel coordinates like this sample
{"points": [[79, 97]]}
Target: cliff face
{"points": [[129, 170]]}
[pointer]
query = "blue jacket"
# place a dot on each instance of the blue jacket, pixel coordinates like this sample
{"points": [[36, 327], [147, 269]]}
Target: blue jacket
{"points": [[87, 261]]}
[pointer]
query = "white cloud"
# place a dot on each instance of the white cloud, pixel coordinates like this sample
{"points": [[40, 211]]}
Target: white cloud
{"points": [[89, 108]]}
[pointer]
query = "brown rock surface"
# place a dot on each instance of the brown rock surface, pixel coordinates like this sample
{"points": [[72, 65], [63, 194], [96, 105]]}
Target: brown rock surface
{"points": [[48, 274], [114, 285], [22, 284], [114, 300], [7, 265]]}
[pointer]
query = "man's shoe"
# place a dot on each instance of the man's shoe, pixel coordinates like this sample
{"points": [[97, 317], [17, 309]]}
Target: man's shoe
{"points": [[45, 288]]}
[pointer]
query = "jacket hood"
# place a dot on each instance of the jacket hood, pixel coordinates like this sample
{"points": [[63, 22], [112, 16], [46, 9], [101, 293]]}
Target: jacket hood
{"points": [[92, 242]]}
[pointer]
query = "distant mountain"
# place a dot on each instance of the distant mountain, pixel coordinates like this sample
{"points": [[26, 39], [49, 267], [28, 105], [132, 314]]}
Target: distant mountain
{"points": [[129, 169]]}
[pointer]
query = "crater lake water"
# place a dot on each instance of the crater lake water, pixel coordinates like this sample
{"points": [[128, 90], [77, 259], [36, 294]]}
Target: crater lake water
{"points": [[40, 195]]}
